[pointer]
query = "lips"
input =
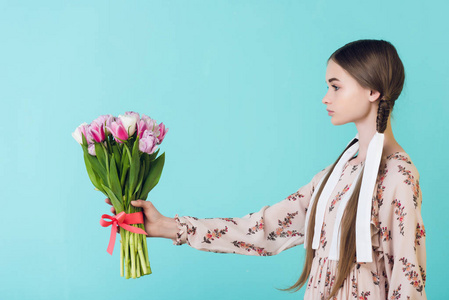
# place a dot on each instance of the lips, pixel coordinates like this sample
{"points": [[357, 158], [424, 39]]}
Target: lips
{"points": [[329, 110]]}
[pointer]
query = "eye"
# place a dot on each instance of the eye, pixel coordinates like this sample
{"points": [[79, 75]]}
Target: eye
{"points": [[335, 87]]}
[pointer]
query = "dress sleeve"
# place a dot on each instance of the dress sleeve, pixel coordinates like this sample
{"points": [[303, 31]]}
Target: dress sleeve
{"points": [[267, 232], [402, 232]]}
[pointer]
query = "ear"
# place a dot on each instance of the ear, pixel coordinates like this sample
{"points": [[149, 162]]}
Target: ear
{"points": [[374, 95]]}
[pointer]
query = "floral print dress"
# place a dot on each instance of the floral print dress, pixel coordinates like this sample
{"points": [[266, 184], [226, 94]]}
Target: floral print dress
{"points": [[398, 268]]}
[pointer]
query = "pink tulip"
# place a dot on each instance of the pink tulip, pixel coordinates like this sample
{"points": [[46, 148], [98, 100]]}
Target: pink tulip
{"points": [[118, 131], [97, 132], [163, 131], [141, 128], [83, 129], [102, 119], [148, 142], [79, 131], [106, 120]]}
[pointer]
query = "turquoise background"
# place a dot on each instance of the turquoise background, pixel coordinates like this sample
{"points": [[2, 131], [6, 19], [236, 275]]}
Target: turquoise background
{"points": [[239, 84]]}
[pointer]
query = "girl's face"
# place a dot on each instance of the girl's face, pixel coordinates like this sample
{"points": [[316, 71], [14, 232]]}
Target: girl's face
{"points": [[348, 100]]}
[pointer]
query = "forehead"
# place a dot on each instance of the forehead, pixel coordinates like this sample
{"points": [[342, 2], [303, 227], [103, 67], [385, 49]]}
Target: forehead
{"points": [[334, 70]]}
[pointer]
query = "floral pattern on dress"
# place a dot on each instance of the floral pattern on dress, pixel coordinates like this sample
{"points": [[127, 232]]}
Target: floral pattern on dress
{"points": [[411, 274], [378, 198], [376, 278], [323, 240], [229, 220], [396, 271], [354, 168], [256, 228], [401, 157], [396, 295], [423, 273], [295, 196], [338, 197], [329, 279], [321, 268], [354, 287], [385, 233], [215, 234], [399, 211], [410, 180], [281, 232], [248, 247]]}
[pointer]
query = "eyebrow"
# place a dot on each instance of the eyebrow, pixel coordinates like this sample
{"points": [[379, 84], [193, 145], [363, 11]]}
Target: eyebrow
{"points": [[332, 79]]}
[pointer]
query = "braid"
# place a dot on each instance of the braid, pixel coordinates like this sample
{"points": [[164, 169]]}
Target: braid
{"points": [[383, 112]]}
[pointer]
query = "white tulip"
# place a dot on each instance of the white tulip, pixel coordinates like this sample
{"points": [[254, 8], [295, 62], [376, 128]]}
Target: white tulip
{"points": [[129, 123]]}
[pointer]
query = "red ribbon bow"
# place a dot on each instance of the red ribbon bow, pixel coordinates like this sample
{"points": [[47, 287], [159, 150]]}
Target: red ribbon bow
{"points": [[122, 220]]}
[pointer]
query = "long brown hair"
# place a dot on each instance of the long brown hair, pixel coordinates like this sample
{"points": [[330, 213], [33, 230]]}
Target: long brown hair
{"points": [[374, 64]]}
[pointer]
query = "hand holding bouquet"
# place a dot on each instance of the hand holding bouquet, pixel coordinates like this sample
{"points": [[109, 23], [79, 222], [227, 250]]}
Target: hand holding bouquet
{"points": [[120, 158]]}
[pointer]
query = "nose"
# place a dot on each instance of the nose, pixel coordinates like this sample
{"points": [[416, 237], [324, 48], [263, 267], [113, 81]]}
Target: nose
{"points": [[325, 100]]}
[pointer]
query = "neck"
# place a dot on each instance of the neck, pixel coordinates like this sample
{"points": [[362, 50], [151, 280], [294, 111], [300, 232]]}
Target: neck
{"points": [[366, 132]]}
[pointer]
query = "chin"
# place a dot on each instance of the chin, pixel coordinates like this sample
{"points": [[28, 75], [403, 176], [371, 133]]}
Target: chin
{"points": [[337, 122]]}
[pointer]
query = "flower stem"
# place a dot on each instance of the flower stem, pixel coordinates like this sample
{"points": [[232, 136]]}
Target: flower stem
{"points": [[145, 252], [133, 255], [138, 268], [126, 254], [141, 255], [121, 251]]}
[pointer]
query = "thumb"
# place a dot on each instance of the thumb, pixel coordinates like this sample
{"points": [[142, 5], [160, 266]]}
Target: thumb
{"points": [[138, 203]]}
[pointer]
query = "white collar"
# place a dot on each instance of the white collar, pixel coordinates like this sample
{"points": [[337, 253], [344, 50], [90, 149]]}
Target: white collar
{"points": [[363, 220]]}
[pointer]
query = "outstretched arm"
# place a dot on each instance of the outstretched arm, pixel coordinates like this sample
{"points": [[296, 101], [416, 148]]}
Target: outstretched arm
{"points": [[267, 232]]}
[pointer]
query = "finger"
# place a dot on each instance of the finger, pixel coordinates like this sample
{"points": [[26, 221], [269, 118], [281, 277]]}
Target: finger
{"points": [[113, 210], [108, 201], [140, 203]]}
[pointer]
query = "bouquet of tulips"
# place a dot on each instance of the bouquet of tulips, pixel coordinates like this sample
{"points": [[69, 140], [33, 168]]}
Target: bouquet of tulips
{"points": [[120, 158]]}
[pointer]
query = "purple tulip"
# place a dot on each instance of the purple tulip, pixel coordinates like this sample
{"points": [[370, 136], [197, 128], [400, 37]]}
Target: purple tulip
{"points": [[151, 124], [162, 131], [118, 131], [148, 142], [91, 149]]}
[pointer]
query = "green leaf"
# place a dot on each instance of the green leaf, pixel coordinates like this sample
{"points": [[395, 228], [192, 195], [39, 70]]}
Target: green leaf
{"points": [[153, 178], [123, 177], [146, 163], [97, 167], [134, 167], [118, 205], [139, 181], [117, 156], [84, 140], [99, 152], [154, 155], [126, 200], [125, 167], [92, 175], [113, 176]]}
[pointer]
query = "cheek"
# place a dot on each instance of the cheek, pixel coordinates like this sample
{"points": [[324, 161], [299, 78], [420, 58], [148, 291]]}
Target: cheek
{"points": [[352, 102]]}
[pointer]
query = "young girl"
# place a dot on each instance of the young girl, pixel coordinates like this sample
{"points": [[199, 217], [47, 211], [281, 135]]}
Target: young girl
{"points": [[359, 218]]}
